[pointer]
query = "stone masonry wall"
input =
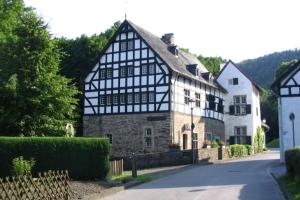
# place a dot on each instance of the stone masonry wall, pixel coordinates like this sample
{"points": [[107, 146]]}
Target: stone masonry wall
{"points": [[128, 131]]}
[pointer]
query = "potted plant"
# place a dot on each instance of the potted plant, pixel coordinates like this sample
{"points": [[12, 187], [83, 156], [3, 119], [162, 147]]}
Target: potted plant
{"points": [[207, 144]]}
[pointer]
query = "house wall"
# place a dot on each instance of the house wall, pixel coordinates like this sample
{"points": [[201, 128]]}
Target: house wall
{"points": [[128, 131], [244, 87]]}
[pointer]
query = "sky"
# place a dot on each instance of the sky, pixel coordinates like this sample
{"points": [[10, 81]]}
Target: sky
{"points": [[232, 29]]}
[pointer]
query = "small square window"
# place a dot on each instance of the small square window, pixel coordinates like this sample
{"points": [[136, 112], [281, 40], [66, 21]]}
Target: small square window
{"points": [[129, 98], [123, 72], [136, 98], [144, 97], [235, 81], [122, 99], [123, 45], [109, 73], [102, 74], [130, 45], [151, 97], [115, 99], [102, 100], [144, 69], [130, 71], [151, 68]]}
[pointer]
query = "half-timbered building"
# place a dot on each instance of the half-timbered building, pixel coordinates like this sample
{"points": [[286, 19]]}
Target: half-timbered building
{"points": [[287, 88], [141, 91]]}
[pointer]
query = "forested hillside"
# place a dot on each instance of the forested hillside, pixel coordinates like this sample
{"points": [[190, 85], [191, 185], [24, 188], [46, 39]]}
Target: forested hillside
{"points": [[263, 69]]}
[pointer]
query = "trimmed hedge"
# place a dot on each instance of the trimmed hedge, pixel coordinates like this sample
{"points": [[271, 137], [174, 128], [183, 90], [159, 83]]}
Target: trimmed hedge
{"points": [[84, 158], [292, 162], [238, 150]]}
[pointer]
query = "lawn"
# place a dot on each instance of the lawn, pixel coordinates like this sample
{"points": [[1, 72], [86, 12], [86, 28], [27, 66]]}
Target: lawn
{"points": [[291, 187], [273, 144], [126, 178]]}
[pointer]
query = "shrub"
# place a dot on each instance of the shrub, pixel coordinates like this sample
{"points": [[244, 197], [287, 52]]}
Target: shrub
{"points": [[206, 143], [84, 158], [249, 149], [292, 162], [214, 144], [22, 167], [259, 140], [238, 150]]}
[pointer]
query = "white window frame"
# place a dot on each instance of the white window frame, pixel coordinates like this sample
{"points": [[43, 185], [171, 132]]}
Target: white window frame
{"points": [[109, 73], [151, 68], [151, 97], [144, 69], [136, 97], [187, 94], [240, 134], [122, 99], [240, 105], [146, 136], [129, 98], [102, 100], [115, 99], [144, 97]]}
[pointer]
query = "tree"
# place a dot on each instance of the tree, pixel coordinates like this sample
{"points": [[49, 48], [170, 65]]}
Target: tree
{"points": [[42, 101], [283, 67], [212, 64]]}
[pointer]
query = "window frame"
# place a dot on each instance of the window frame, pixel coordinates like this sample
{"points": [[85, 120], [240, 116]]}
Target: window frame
{"points": [[109, 73], [147, 138], [187, 96], [240, 134]]}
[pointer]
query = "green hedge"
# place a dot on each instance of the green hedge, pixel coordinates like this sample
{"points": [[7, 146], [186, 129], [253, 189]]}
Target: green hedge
{"points": [[84, 158], [238, 150], [292, 162]]}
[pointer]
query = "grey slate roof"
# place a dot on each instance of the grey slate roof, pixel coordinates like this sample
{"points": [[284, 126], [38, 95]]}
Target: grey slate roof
{"points": [[177, 64]]}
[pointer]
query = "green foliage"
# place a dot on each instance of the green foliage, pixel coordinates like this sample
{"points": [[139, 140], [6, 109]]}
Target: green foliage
{"points": [[22, 167], [35, 99], [238, 150], [128, 178], [84, 158], [259, 141], [250, 149], [284, 66], [212, 64], [291, 187], [263, 69], [214, 144], [79, 56], [273, 144], [292, 162]]}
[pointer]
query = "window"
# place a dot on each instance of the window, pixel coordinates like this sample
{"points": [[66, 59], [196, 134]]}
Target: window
{"points": [[240, 134], [130, 45], [144, 69], [130, 71], [123, 71], [102, 100], [197, 95], [109, 73], [129, 98], [109, 136], [123, 46], [235, 81], [240, 105], [136, 98], [186, 96], [148, 138], [115, 99], [102, 74], [151, 68], [108, 100], [122, 99], [144, 97], [209, 136], [195, 140], [151, 97]]}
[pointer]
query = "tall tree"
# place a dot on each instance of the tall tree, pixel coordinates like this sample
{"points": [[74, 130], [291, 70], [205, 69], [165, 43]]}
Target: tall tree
{"points": [[212, 64], [284, 66], [43, 101]]}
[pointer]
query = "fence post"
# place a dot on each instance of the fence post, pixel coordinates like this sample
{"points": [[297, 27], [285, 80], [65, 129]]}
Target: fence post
{"points": [[133, 168]]}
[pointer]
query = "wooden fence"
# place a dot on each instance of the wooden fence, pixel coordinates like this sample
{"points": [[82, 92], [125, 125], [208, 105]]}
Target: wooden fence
{"points": [[50, 185], [115, 168]]}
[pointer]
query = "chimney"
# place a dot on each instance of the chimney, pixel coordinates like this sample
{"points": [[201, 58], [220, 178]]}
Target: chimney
{"points": [[168, 38]]}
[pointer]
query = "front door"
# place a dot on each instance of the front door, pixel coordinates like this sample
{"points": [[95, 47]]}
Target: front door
{"points": [[184, 140]]}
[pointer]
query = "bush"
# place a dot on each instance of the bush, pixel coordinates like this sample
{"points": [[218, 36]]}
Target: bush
{"points": [[292, 162], [238, 150], [259, 140], [84, 158], [22, 167], [249, 149], [214, 144]]}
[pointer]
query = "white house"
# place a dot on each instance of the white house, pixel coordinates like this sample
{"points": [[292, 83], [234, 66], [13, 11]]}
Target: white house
{"points": [[287, 87], [242, 104]]}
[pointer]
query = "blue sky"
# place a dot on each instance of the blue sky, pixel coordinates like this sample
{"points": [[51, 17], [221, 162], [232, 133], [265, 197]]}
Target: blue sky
{"points": [[233, 29]]}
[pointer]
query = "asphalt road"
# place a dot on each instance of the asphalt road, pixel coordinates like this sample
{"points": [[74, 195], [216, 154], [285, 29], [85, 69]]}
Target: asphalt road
{"points": [[241, 179]]}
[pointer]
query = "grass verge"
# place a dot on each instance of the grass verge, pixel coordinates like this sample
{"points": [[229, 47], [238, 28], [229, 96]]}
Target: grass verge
{"points": [[126, 178], [273, 144], [290, 187]]}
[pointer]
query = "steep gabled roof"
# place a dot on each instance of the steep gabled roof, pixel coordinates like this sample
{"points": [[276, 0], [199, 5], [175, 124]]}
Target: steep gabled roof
{"points": [[177, 64], [276, 84], [243, 72]]}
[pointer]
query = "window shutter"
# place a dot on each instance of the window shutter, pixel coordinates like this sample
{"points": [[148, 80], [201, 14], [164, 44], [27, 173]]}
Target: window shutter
{"points": [[248, 109], [231, 110], [248, 140], [231, 140]]}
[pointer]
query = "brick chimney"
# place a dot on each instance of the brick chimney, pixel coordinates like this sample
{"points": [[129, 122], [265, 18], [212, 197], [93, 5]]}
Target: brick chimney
{"points": [[168, 38]]}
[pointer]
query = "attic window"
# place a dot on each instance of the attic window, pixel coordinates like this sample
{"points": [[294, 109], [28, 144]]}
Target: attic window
{"points": [[235, 81], [126, 45]]}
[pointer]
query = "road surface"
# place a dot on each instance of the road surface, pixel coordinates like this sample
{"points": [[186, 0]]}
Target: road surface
{"points": [[241, 179]]}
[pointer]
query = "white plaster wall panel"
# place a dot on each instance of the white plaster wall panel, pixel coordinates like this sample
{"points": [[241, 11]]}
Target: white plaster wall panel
{"points": [[116, 47], [284, 91], [123, 56], [129, 82], [295, 90], [137, 44], [297, 77], [91, 94]]}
